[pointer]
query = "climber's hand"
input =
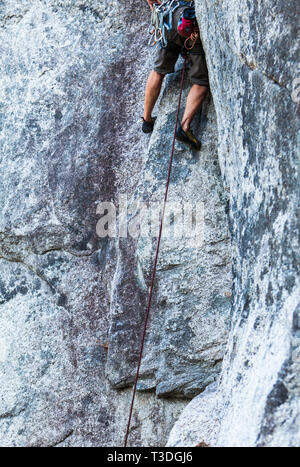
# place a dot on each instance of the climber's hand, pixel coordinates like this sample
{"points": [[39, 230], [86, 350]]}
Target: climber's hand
{"points": [[151, 3]]}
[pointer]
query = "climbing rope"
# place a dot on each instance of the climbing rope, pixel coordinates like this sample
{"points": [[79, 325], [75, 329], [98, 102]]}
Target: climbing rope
{"points": [[156, 260]]}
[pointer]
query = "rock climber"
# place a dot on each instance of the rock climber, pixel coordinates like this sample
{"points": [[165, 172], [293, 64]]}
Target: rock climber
{"points": [[164, 64]]}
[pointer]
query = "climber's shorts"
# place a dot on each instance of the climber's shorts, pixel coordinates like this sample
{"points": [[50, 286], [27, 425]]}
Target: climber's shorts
{"points": [[166, 59]]}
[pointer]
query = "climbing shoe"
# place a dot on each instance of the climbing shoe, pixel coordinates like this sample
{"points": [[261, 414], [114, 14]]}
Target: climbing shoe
{"points": [[147, 127], [188, 138]]}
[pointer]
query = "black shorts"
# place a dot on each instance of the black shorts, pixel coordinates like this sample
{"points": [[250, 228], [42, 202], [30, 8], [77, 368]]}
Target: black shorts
{"points": [[166, 58]]}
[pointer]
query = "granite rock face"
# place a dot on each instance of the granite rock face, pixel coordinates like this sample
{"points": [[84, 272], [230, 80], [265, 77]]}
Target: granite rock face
{"points": [[252, 59], [72, 304], [189, 323]]}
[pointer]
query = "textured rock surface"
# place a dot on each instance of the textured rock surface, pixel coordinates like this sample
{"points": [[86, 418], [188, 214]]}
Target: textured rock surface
{"points": [[252, 58], [70, 101], [72, 305], [190, 317], [194, 426]]}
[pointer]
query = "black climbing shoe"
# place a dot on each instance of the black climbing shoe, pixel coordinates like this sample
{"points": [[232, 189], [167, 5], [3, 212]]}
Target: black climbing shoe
{"points": [[147, 127], [188, 138]]}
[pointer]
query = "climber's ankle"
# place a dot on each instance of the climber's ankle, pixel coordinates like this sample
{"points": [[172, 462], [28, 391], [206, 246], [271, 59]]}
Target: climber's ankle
{"points": [[185, 126]]}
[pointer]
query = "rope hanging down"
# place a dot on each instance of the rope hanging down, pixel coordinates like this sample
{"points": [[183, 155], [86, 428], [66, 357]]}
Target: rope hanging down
{"points": [[155, 261]]}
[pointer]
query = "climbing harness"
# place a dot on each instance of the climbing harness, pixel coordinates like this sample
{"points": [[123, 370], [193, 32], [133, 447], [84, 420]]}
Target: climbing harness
{"points": [[162, 21], [156, 258]]}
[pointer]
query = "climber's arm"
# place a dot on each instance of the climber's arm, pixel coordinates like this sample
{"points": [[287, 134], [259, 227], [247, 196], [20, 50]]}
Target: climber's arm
{"points": [[151, 3]]}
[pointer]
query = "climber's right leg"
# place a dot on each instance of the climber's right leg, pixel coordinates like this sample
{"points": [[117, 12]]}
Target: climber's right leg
{"points": [[198, 75], [194, 102], [153, 89]]}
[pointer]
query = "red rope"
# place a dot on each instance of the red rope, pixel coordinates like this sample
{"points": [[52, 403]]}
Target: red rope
{"points": [[155, 261]]}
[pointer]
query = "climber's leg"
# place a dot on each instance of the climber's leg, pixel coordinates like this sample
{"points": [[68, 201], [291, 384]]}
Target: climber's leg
{"points": [[198, 74], [153, 89], [194, 102], [164, 64]]}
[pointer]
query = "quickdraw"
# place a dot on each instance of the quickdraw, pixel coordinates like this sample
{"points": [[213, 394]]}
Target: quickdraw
{"points": [[162, 22]]}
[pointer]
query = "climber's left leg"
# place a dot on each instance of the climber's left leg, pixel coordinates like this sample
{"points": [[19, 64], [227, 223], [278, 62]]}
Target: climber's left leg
{"points": [[153, 88], [164, 64]]}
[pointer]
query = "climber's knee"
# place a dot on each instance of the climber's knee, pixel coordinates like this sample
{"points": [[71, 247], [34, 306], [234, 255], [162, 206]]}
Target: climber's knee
{"points": [[201, 90], [154, 82], [159, 76]]}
